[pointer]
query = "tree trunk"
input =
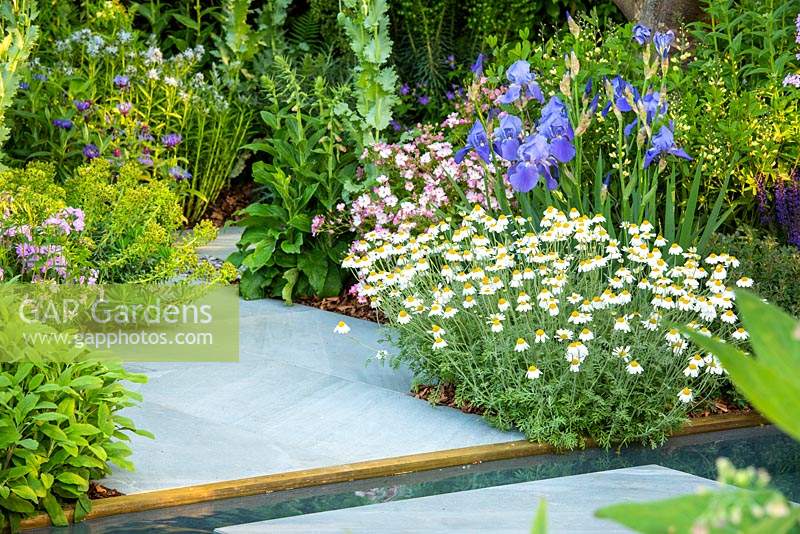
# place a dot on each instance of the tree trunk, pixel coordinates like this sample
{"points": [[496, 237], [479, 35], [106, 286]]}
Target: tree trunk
{"points": [[661, 14]]}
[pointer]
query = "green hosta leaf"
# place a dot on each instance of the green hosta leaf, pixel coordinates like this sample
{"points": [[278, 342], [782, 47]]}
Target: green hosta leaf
{"points": [[773, 333], [670, 515], [54, 510]]}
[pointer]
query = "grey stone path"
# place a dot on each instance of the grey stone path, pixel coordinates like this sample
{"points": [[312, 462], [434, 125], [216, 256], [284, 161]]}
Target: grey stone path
{"points": [[571, 503], [300, 397]]}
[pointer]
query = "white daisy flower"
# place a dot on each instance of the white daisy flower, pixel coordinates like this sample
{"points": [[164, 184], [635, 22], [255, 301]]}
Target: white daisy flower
{"points": [[469, 302], [623, 352], [634, 368], [533, 372], [673, 335], [744, 282], [586, 335], [692, 370], [437, 331], [685, 395], [496, 325], [575, 365], [341, 328], [621, 324], [403, 317], [540, 336], [503, 304], [521, 345], [728, 317], [740, 334], [439, 343], [576, 349], [563, 334]]}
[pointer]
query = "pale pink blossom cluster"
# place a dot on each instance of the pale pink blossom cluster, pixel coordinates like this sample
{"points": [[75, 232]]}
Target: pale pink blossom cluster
{"points": [[417, 180]]}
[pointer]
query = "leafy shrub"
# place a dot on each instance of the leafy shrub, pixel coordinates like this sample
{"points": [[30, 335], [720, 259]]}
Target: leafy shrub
{"points": [[60, 426], [309, 164], [101, 225], [494, 308], [777, 265], [19, 35], [114, 96], [770, 381]]}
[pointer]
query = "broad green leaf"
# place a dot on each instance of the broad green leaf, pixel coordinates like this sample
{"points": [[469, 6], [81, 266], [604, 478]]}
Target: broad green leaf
{"points": [[54, 510], [86, 382], [670, 515], [73, 479]]}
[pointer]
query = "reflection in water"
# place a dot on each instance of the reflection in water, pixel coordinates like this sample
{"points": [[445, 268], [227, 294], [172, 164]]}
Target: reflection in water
{"points": [[761, 447]]}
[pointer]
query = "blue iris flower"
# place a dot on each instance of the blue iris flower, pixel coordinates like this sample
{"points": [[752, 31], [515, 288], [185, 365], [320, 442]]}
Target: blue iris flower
{"points": [[653, 105], [554, 124], [663, 143], [506, 137], [641, 34], [478, 141], [521, 78], [621, 91], [663, 42], [536, 162], [477, 67]]}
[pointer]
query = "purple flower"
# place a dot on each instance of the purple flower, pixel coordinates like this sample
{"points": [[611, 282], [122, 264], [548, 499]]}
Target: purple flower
{"points": [[405, 89], [64, 124], [146, 160], [124, 107], [39, 76], [82, 105], [122, 82], [536, 162], [179, 174], [477, 141], [663, 42], [477, 67], [424, 100], [653, 106], [171, 140], [396, 126], [792, 79], [506, 137], [91, 151], [622, 91], [641, 34], [663, 143], [451, 60], [521, 77], [24, 86]]}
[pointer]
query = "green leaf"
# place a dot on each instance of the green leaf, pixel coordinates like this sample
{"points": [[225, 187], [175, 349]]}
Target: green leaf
{"points": [[82, 508], [773, 333], [28, 443], [26, 492], [8, 436], [16, 504], [670, 515], [314, 265], [53, 432], [73, 479], [302, 222], [291, 279], [186, 21], [540, 521], [262, 253], [86, 382], [54, 510]]}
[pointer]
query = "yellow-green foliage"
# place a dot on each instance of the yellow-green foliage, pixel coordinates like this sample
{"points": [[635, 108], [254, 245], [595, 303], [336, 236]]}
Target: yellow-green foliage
{"points": [[133, 223], [33, 193]]}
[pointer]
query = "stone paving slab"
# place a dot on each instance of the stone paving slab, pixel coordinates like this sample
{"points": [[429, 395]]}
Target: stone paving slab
{"points": [[571, 503], [300, 397]]}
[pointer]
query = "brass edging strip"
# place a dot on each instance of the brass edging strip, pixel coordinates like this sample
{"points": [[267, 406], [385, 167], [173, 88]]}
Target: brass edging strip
{"points": [[245, 487]]}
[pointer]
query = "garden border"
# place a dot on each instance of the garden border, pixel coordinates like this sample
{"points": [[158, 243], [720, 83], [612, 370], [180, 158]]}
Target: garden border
{"points": [[245, 487]]}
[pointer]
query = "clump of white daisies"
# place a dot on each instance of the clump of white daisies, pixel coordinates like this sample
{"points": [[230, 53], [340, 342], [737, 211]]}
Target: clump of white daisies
{"points": [[564, 333]]}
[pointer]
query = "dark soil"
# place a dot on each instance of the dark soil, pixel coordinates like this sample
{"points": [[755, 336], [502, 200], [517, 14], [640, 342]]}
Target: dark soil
{"points": [[238, 195], [445, 396], [97, 491], [346, 305]]}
